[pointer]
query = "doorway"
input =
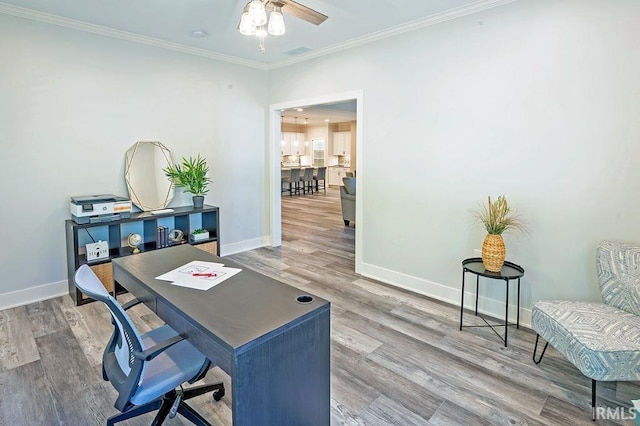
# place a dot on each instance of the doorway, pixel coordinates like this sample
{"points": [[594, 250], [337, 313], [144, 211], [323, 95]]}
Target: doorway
{"points": [[276, 120]]}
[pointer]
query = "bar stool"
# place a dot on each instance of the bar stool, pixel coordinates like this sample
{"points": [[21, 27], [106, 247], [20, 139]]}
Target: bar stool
{"points": [[321, 176], [307, 180], [293, 181]]}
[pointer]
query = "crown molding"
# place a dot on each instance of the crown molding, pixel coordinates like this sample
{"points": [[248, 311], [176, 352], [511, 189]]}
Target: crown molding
{"points": [[427, 21], [47, 18], [472, 8]]}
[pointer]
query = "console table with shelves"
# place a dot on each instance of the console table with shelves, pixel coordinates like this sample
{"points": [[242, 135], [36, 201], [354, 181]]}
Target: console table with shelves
{"points": [[116, 233]]}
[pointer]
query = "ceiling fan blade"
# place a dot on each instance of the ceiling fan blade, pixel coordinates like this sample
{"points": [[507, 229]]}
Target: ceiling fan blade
{"points": [[303, 12]]}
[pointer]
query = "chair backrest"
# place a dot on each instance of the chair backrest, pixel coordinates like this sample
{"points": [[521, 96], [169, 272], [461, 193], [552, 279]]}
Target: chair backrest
{"points": [[308, 174], [322, 171], [618, 270], [119, 366], [295, 175], [349, 185]]}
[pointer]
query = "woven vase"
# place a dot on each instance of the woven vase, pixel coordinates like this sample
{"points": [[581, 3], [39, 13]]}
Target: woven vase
{"points": [[493, 252]]}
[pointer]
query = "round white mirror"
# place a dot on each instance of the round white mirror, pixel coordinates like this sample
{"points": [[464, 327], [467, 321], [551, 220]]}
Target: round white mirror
{"points": [[148, 186]]}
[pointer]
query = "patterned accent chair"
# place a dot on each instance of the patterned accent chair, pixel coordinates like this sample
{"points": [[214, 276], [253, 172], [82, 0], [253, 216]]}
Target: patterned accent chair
{"points": [[602, 339]]}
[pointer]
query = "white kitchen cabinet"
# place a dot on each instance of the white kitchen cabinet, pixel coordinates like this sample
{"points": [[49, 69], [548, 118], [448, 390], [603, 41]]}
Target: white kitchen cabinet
{"points": [[335, 175], [292, 144], [285, 144], [341, 143]]}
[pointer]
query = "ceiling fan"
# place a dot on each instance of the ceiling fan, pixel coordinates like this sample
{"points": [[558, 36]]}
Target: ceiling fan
{"points": [[254, 17], [300, 11]]}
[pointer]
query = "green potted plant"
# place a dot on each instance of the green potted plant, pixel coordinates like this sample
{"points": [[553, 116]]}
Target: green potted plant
{"points": [[199, 235], [497, 217], [192, 176]]}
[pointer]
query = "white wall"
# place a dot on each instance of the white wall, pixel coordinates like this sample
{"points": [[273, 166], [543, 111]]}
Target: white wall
{"points": [[71, 103], [537, 100]]}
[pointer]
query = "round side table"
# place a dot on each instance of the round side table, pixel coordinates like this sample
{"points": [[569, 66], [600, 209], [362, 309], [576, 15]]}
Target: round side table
{"points": [[509, 271]]}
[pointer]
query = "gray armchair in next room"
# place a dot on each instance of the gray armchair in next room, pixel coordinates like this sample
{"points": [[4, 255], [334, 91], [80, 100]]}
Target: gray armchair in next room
{"points": [[348, 199]]}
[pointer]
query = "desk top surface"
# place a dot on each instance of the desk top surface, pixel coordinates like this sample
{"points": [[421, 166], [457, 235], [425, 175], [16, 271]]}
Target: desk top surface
{"points": [[236, 312]]}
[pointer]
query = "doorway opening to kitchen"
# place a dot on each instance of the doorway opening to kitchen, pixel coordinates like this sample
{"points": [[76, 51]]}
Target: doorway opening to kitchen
{"points": [[302, 137]]}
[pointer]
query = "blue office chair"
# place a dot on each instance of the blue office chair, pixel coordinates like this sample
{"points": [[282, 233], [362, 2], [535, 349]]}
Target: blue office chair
{"points": [[146, 369]]}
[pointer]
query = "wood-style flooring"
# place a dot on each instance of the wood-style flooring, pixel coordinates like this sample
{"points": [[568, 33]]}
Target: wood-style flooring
{"points": [[397, 358]]}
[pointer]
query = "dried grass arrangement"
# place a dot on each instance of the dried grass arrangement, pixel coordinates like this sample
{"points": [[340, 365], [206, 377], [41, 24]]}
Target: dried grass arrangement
{"points": [[497, 217]]}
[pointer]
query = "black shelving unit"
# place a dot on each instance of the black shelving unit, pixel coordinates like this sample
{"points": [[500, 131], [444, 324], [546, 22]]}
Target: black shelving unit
{"points": [[115, 233]]}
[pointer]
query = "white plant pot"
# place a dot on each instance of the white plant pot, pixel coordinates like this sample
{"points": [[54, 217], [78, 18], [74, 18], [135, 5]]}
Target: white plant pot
{"points": [[199, 237]]}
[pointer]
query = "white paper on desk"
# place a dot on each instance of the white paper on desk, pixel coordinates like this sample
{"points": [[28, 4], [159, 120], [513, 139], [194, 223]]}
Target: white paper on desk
{"points": [[184, 275], [193, 267], [205, 283]]}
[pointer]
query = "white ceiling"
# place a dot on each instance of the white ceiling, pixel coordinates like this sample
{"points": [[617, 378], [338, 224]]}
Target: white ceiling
{"points": [[169, 24], [321, 114]]}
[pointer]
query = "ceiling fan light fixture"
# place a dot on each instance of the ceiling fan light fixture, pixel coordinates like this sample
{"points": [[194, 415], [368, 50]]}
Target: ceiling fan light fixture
{"points": [[257, 12], [254, 18], [246, 26], [276, 22]]}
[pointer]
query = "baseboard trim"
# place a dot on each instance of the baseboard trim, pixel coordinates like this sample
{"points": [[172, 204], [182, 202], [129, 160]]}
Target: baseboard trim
{"points": [[246, 245], [445, 293], [33, 294]]}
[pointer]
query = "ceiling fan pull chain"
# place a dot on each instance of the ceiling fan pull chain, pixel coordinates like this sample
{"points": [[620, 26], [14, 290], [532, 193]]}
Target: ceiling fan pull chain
{"points": [[261, 46]]}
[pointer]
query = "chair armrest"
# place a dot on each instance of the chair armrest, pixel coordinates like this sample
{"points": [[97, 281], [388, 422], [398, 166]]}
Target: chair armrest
{"points": [[156, 350], [131, 303]]}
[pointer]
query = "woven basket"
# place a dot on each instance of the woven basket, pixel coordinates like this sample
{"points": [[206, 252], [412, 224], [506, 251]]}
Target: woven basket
{"points": [[104, 271], [210, 247], [493, 252]]}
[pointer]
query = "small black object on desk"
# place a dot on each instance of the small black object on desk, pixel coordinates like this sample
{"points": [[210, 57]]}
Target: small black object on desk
{"points": [[509, 271]]}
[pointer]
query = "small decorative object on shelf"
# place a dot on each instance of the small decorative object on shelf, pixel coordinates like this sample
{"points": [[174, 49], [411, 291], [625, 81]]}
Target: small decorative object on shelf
{"points": [[192, 176], [97, 250], [497, 217], [134, 240], [176, 236], [199, 235]]}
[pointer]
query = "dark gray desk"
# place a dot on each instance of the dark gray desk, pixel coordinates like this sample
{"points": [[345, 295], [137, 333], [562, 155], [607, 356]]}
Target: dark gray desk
{"points": [[275, 349]]}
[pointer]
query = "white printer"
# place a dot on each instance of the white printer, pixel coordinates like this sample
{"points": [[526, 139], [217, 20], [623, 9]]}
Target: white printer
{"points": [[99, 208]]}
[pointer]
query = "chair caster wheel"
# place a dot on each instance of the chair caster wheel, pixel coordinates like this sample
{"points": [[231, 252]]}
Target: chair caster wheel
{"points": [[217, 395]]}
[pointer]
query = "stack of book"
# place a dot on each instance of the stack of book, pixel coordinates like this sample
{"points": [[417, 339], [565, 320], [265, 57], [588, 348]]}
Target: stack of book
{"points": [[162, 237]]}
